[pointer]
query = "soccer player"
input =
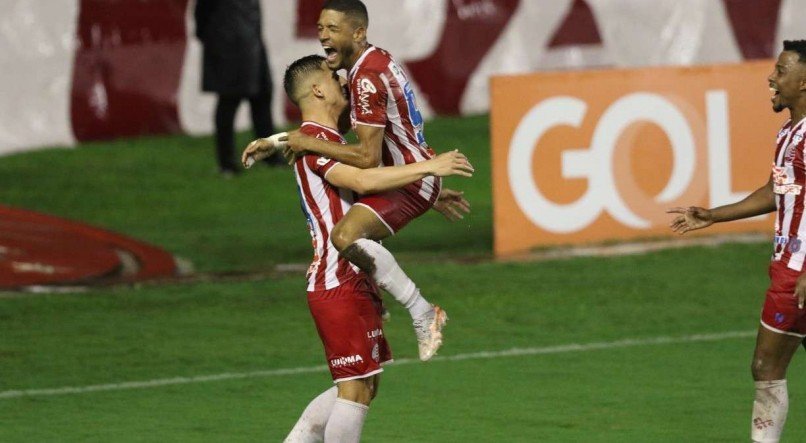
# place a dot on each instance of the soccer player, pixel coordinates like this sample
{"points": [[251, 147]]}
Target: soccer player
{"points": [[389, 127], [342, 299], [783, 319]]}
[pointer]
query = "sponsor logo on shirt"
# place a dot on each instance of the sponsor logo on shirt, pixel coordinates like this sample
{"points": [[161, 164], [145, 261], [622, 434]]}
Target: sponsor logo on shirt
{"points": [[346, 361], [365, 89], [784, 184]]}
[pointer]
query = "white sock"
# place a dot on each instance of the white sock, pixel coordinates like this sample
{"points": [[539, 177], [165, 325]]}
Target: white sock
{"points": [[310, 427], [769, 411], [345, 422], [389, 276]]}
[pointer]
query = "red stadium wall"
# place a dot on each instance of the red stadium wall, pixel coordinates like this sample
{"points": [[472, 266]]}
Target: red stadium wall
{"points": [[99, 69], [128, 65]]}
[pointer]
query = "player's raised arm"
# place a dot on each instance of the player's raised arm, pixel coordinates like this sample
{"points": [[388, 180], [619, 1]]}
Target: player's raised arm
{"points": [[374, 180], [761, 201], [364, 154]]}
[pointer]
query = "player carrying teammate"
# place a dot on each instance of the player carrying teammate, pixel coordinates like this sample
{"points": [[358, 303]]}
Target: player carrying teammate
{"points": [[343, 300], [389, 126], [783, 319]]}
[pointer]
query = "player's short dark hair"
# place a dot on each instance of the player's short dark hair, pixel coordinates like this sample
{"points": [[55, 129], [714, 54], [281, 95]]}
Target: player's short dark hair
{"points": [[297, 71], [798, 46], [355, 9]]}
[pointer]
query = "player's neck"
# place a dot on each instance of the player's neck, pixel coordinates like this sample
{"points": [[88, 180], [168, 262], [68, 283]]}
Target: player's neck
{"points": [[356, 55], [798, 112], [320, 116]]}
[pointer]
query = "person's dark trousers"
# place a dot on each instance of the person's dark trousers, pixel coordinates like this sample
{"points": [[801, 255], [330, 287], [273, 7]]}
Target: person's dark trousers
{"points": [[259, 106]]}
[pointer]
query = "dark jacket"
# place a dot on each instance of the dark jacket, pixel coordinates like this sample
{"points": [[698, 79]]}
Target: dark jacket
{"points": [[234, 60]]}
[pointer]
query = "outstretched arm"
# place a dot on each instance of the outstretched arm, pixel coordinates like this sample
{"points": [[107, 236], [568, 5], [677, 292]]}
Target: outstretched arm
{"points": [[364, 154], [374, 180], [761, 201]]}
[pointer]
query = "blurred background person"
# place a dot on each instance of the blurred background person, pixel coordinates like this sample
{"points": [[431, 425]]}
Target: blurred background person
{"points": [[235, 66]]}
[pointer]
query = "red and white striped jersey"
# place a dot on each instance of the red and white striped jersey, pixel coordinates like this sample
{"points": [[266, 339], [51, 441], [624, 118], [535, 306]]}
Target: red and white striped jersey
{"points": [[381, 95], [789, 178], [323, 205]]}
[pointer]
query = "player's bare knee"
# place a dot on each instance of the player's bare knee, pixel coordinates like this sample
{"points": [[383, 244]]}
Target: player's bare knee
{"points": [[342, 237], [765, 369]]}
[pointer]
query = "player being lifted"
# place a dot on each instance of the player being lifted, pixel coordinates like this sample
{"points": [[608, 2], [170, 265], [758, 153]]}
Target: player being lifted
{"points": [[783, 319], [389, 127], [343, 301]]}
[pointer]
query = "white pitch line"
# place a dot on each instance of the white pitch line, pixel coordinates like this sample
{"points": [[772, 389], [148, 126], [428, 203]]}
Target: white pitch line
{"points": [[514, 352]]}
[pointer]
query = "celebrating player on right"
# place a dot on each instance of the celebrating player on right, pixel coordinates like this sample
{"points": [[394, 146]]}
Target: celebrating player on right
{"points": [[783, 319]]}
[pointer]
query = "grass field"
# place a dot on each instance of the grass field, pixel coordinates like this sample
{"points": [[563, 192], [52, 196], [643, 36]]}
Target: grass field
{"points": [[647, 348]]}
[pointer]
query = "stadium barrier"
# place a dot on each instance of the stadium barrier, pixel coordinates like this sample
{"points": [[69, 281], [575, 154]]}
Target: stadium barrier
{"points": [[587, 157]]}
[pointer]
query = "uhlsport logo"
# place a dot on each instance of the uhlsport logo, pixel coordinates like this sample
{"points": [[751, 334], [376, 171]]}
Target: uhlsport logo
{"points": [[346, 361]]}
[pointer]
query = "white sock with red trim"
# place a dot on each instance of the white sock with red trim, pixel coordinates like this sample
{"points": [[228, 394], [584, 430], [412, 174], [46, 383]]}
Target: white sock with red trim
{"points": [[346, 422], [310, 427], [389, 276], [769, 411]]}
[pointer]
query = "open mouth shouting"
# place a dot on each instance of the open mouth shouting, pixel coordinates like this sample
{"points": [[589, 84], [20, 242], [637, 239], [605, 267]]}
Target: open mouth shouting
{"points": [[330, 54]]}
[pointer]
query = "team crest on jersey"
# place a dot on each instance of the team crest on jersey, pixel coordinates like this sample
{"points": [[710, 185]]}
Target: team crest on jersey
{"points": [[365, 89]]}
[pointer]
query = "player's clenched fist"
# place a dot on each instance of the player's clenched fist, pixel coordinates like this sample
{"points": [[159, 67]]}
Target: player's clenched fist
{"points": [[262, 148], [691, 218]]}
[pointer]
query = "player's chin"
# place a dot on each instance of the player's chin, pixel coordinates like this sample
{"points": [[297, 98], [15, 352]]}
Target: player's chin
{"points": [[334, 64]]}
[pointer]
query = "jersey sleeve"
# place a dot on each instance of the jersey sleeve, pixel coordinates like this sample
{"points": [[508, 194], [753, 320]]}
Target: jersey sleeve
{"points": [[318, 164], [368, 99]]}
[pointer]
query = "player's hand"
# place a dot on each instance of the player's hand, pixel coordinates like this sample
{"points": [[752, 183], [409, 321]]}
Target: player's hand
{"points": [[262, 148], [800, 290], [452, 204], [450, 163], [292, 150], [691, 218]]}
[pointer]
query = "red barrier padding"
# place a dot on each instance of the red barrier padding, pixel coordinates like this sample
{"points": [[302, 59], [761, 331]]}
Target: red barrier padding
{"points": [[38, 249]]}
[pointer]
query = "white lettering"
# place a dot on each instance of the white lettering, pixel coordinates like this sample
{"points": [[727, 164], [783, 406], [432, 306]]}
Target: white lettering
{"points": [[596, 162], [346, 361]]}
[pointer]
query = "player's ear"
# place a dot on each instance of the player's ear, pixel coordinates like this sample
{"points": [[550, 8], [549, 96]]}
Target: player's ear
{"points": [[360, 34], [317, 90]]}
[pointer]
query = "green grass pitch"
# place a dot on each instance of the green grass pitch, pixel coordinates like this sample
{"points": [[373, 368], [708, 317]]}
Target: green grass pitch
{"points": [[671, 384]]}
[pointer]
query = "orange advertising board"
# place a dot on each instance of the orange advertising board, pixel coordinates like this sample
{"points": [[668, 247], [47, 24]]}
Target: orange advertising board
{"points": [[596, 156]]}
